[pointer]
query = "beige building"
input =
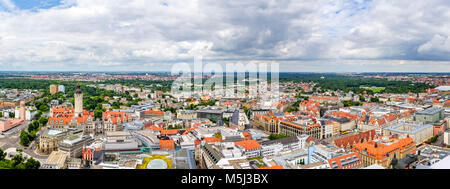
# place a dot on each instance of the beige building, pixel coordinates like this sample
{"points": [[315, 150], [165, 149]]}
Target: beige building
{"points": [[53, 89], [56, 160], [266, 123], [74, 144], [48, 141], [186, 114], [447, 137], [418, 132]]}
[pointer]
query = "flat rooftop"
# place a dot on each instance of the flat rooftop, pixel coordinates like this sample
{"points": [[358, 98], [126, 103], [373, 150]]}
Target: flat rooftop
{"points": [[430, 111], [408, 128]]}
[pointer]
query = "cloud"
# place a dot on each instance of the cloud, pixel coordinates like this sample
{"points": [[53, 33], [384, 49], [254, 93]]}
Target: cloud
{"points": [[7, 4], [80, 34], [437, 45]]}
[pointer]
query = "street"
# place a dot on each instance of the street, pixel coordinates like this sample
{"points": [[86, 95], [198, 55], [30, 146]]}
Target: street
{"points": [[11, 139]]}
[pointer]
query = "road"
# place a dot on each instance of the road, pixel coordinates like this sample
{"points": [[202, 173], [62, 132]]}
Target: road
{"points": [[11, 139], [439, 141]]}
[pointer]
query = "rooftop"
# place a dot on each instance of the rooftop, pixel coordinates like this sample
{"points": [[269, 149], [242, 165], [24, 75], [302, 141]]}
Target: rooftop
{"points": [[407, 128], [430, 111]]}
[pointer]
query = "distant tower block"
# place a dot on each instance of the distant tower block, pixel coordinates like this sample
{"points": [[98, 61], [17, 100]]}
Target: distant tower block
{"points": [[22, 110], [61, 88], [78, 101], [53, 89]]}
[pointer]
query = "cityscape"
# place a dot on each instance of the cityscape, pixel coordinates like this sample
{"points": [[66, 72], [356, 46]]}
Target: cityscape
{"points": [[224, 93], [137, 121]]}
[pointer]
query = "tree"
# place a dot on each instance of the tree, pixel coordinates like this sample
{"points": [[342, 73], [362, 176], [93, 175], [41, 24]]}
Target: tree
{"points": [[32, 164], [43, 121], [292, 109], [33, 126], [98, 114], [434, 139], [38, 115], [2, 155], [374, 99], [361, 98], [17, 160], [24, 138], [277, 136]]}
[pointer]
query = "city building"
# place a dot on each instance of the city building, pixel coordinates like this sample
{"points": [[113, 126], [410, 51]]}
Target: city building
{"points": [[53, 89], [439, 127], [167, 144], [269, 123], [349, 141], [154, 114], [65, 117], [299, 128], [430, 115], [56, 160], [61, 89], [186, 114], [113, 121], [251, 148], [347, 161], [447, 137], [120, 141], [418, 132], [73, 145], [214, 114], [7, 124], [383, 150], [49, 139], [274, 147]]}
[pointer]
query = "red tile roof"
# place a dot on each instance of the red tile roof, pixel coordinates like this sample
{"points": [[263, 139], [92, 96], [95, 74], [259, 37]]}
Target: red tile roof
{"points": [[353, 139], [166, 144], [248, 144], [338, 161]]}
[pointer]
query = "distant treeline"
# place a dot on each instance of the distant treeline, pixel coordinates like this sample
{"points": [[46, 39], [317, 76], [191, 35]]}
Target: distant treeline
{"points": [[348, 83]]}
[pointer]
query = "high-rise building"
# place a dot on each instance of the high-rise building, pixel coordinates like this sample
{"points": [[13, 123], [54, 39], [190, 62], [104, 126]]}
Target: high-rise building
{"points": [[22, 110], [78, 101], [53, 89], [61, 88]]}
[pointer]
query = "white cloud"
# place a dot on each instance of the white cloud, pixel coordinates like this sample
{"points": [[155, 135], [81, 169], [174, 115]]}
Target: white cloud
{"points": [[123, 32], [7, 4], [438, 43]]}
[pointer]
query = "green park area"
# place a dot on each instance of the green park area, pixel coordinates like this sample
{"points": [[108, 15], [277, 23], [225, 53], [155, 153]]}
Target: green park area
{"points": [[373, 89]]}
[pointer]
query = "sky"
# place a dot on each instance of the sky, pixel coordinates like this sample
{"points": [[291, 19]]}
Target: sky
{"points": [[154, 35]]}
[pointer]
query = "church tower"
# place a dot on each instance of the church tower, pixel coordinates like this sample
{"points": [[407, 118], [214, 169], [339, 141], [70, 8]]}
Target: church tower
{"points": [[78, 101]]}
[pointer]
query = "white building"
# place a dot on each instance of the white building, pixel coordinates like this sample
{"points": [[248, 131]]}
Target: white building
{"points": [[61, 88], [275, 147]]}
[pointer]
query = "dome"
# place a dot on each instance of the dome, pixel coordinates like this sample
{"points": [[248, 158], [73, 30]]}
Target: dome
{"points": [[157, 164]]}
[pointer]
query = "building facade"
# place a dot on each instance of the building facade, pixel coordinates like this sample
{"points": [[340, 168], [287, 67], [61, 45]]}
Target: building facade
{"points": [[430, 115], [293, 129], [383, 150], [418, 132]]}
